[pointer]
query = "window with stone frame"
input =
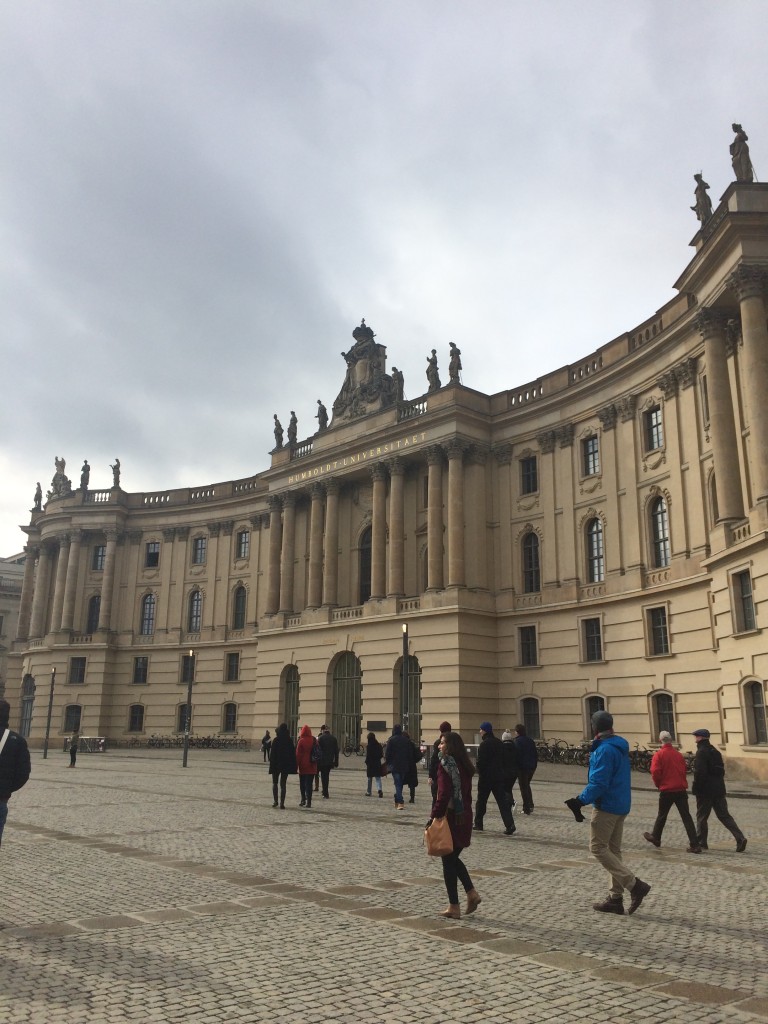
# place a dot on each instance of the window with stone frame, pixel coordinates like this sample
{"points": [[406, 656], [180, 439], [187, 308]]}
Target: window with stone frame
{"points": [[742, 602], [243, 544], [592, 639], [531, 564], [232, 663], [199, 550], [653, 429], [140, 669], [590, 456], [529, 474], [98, 557], [528, 646], [595, 551], [152, 554], [147, 617], [76, 670], [661, 554], [657, 631], [136, 718]]}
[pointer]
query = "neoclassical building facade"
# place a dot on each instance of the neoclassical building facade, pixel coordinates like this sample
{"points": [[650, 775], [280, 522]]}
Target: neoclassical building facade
{"points": [[595, 538]]}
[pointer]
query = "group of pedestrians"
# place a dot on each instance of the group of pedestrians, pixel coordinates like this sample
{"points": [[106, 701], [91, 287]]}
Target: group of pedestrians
{"points": [[312, 759]]}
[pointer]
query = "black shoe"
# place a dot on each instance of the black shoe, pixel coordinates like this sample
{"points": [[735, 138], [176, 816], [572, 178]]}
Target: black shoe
{"points": [[412, 800], [303, 803], [381, 792], [325, 796], [638, 892], [282, 807], [477, 828], [613, 905], [275, 804], [741, 845], [703, 846], [509, 831], [651, 839]]}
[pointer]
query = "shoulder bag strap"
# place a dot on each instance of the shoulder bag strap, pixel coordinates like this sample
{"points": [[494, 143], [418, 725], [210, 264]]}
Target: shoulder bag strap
{"points": [[6, 734]]}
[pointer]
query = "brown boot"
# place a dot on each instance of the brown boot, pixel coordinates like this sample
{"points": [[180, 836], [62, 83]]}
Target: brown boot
{"points": [[453, 911], [613, 905], [474, 899]]}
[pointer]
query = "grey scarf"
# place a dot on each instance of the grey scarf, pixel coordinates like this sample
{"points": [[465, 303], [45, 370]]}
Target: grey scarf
{"points": [[449, 764]]}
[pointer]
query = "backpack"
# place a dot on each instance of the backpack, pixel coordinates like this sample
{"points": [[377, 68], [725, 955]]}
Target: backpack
{"points": [[314, 755]]}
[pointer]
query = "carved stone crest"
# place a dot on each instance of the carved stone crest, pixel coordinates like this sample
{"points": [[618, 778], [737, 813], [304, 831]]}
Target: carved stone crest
{"points": [[367, 387]]}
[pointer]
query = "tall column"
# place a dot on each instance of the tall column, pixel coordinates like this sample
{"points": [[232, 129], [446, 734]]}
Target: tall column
{"points": [[379, 532], [108, 582], [435, 518], [396, 586], [40, 603], [331, 573], [58, 586], [476, 518], [288, 553], [70, 587], [27, 590], [722, 425], [315, 588], [505, 559], [455, 452], [749, 285], [275, 546]]}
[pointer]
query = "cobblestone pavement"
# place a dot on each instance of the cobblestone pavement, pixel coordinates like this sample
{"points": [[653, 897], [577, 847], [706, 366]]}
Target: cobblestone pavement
{"points": [[135, 890]]}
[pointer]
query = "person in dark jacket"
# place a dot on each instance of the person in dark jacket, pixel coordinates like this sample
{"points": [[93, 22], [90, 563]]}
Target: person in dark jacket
{"points": [[329, 756], [282, 762], [527, 762], [709, 790], [490, 779], [14, 762], [434, 759], [266, 743], [510, 764], [454, 802], [399, 757], [412, 778], [74, 743], [374, 755]]}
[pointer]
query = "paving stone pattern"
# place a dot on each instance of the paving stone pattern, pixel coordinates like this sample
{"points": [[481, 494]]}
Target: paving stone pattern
{"points": [[135, 890]]}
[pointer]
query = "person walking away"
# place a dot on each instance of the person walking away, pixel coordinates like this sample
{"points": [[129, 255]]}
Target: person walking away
{"points": [[668, 774], [454, 802], [266, 744], [282, 762], [307, 757], [374, 754], [398, 756], [329, 756], [434, 759], [74, 743], [412, 778], [14, 762], [490, 779], [527, 762], [608, 789], [709, 790], [510, 765]]}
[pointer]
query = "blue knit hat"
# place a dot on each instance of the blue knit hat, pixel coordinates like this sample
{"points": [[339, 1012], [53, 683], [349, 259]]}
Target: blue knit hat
{"points": [[486, 727]]}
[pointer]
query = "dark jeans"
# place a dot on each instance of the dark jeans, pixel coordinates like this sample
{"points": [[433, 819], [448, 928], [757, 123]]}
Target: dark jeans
{"points": [[679, 799], [524, 781], [455, 871], [305, 785], [704, 807], [72, 756], [484, 790], [325, 774], [399, 781], [283, 783]]}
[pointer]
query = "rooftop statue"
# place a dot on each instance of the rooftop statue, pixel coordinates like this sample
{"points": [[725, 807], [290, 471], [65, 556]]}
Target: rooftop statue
{"points": [[85, 476], [321, 416], [399, 382], [703, 205], [454, 365], [433, 377], [116, 473], [367, 387], [38, 506], [278, 432], [742, 165], [61, 485], [293, 428]]}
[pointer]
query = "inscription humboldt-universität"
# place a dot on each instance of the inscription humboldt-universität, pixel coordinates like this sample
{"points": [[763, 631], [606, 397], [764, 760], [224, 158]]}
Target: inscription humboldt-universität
{"points": [[367, 455]]}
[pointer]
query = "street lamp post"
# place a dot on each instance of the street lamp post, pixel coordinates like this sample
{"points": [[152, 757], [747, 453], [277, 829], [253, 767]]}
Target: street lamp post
{"points": [[404, 693], [50, 712], [188, 716]]}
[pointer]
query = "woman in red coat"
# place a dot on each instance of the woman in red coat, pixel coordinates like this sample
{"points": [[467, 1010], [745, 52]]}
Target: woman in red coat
{"points": [[454, 801], [307, 766]]}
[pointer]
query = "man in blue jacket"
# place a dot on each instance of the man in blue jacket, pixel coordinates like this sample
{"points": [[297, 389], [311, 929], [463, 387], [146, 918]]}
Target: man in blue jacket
{"points": [[608, 790]]}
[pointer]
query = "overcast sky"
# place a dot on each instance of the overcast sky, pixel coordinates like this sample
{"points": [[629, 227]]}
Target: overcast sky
{"points": [[199, 200]]}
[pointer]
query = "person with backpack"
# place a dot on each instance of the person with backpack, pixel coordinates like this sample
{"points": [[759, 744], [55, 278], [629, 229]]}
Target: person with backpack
{"points": [[307, 760]]}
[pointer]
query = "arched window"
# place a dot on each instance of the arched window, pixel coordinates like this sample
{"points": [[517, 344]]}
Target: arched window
{"points": [[592, 705], [195, 617], [72, 717], [660, 534], [531, 567], [136, 718], [347, 698], [595, 551], [365, 565], [229, 717], [147, 624], [291, 700], [410, 697], [238, 608], [663, 709], [92, 622], [529, 706], [756, 720]]}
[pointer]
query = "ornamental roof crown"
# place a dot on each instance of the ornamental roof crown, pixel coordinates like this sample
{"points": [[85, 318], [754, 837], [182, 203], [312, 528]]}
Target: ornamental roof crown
{"points": [[363, 332]]}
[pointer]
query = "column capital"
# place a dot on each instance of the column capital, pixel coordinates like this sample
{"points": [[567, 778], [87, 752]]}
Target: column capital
{"points": [[32, 550], [289, 500], [685, 371], [112, 535], [168, 534], [255, 521], [565, 435], [710, 322], [275, 503], [214, 529], [733, 335], [546, 441], [608, 416], [396, 466], [434, 455], [332, 487], [627, 406], [64, 540], [378, 472], [668, 384], [455, 449], [227, 527], [182, 532], [477, 454], [747, 282], [316, 492], [503, 454]]}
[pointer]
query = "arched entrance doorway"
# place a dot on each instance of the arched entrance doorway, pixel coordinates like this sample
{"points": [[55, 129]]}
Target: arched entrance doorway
{"points": [[346, 706]]}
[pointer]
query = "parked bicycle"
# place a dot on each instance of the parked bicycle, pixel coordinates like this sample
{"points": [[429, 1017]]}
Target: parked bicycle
{"points": [[350, 747]]}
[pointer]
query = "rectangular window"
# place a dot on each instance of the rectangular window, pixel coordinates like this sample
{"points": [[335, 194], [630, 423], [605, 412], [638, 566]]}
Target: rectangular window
{"points": [[743, 602], [654, 429], [77, 670], [528, 650], [658, 632], [98, 555], [233, 667], [243, 545], [152, 554], [73, 714], [199, 549], [140, 670], [529, 475], [591, 456], [593, 640]]}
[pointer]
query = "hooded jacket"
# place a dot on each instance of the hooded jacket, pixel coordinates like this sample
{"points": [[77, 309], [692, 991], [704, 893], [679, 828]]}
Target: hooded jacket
{"points": [[608, 787], [304, 752], [14, 763], [282, 753]]}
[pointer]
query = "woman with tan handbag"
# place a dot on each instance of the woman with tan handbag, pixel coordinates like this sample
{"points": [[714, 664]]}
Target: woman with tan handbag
{"points": [[454, 802]]}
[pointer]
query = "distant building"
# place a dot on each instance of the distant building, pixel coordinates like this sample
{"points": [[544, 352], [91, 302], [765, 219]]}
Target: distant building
{"points": [[11, 574], [595, 538]]}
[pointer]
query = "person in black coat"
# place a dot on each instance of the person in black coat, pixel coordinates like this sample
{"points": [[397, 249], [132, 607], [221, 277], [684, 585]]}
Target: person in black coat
{"points": [[399, 758], [329, 756], [374, 754], [527, 762], [490, 779], [709, 790], [282, 762], [14, 762], [510, 763]]}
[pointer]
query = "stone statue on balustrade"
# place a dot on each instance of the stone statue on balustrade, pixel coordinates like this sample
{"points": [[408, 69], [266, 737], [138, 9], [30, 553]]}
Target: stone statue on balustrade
{"points": [[116, 472], [740, 159], [293, 428], [399, 382], [321, 416], [367, 387], [433, 377], [703, 205], [61, 486], [454, 364], [85, 476], [278, 432], [38, 505]]}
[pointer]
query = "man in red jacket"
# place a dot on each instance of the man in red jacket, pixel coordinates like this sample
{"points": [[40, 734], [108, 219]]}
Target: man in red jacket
{"points": [[668, 773]]}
